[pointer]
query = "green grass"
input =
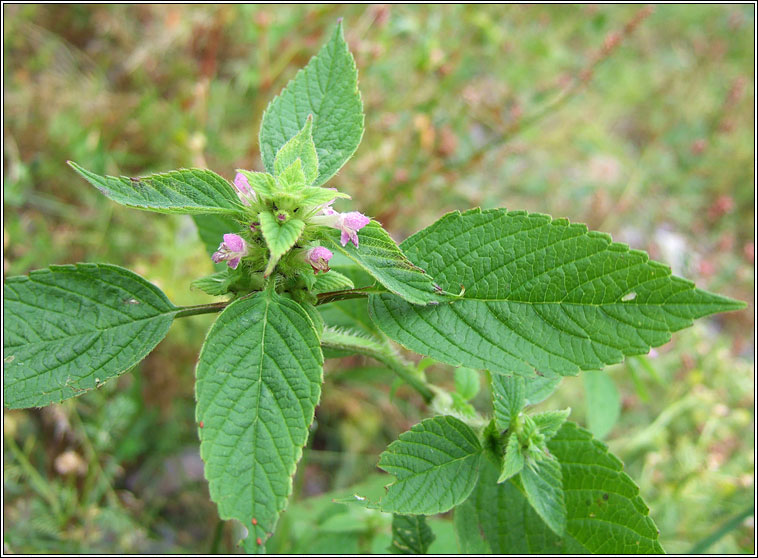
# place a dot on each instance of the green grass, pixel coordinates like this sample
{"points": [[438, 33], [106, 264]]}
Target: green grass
{"points": [[639, 124]]}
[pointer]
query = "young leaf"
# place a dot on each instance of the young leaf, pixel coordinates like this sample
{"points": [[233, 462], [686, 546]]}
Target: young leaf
{"points": [[326, 88], [550, 422], [513, 461], [508, 398], [543, 485], [258, 381], [436, 464], [279, 237], [216, 284], [301, 147], [68, 329], [331, 281], [380, 256], [539, 387], [410, 534], [604, 512], [540, 294], [292, 179], [319, 196], [178, 191], [466, 382], [262, 183], [602, 401]]}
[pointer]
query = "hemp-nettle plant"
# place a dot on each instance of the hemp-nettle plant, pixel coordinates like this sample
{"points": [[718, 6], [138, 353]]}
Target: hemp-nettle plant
{"points": [[519, 297]]}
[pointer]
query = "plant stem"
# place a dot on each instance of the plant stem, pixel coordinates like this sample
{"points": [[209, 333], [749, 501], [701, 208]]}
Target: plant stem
{"points": [[37, 482], [363, 292], [704, 544], [201, 309], [394, 362]]}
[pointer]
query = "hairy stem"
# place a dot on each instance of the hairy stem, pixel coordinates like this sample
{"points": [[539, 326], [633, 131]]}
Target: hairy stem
{"points": [[202, 309], [390, 359]]}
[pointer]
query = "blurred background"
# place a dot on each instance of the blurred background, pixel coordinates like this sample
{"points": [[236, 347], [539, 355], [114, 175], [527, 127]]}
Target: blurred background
{"points": [[637, 121]]}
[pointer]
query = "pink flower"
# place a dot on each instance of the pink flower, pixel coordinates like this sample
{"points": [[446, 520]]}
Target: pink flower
{"points": [[348, 223], [319, 258], [231, 250], [244, 190]]}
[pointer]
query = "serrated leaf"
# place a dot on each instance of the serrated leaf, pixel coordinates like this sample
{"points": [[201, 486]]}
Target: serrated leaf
{"points": [[380, 256], [179, 191], [436, 464], [258, 381], [311, 195], [541, 294], [299, 147], [508, 398], [262, 183], [68, 329], [543, 485], [513, 461], [279, 237], [604, 512], [211, 230], [216, 284], [410, 534], [330, 281], [549, 422], [327, 88], [539, 387], [466, 382], [603, 402], [291, 180]]}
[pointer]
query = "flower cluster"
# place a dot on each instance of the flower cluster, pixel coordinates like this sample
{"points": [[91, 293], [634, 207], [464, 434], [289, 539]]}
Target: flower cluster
{"points": [[234, 248]]}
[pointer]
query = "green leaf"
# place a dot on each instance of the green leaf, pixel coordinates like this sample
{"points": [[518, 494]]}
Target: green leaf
{"points": [[603, 402], [380, 256], [279, 237], [326, 88], [508, 398], [539, 387], [258, 381], [300, 147], [540, 294], [410, 534], [178, 191], [216, 284], [513, 462], [68, 329], [319, 196], [498, 519], [543, 485], [466, 382], [550, 422], [211, 230], [262, 183], [330, 281], [604, 512], [436, 464], [291, 180]]}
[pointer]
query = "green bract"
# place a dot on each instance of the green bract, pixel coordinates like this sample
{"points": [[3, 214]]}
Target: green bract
{"points": [[522, 297]]}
